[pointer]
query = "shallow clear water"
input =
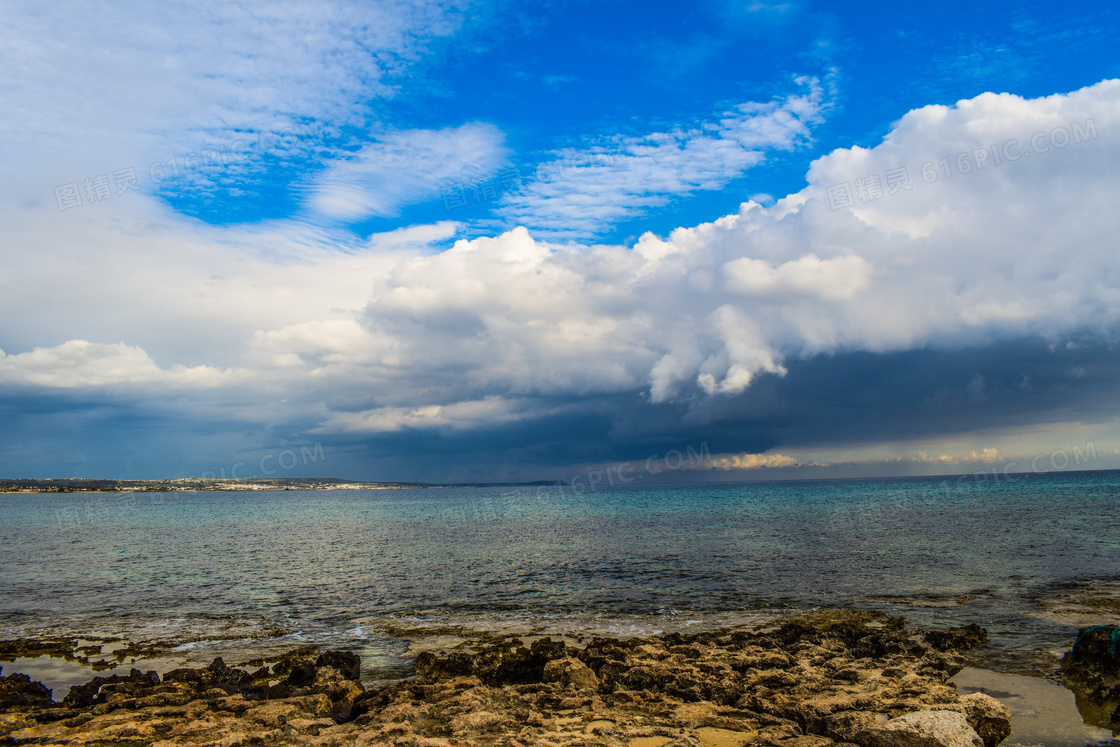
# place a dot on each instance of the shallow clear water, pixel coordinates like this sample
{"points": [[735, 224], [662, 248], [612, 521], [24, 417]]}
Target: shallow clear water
{"points": [[333, 566], [1042, 712]]}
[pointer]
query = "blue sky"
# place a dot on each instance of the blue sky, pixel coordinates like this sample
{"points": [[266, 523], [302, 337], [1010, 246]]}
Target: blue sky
{"points": [[507, 241]]}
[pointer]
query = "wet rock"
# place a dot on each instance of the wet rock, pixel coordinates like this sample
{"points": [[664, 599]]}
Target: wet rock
{"points": [[302, 675], [17, 690], [1092, 670], [571, 672], [223, 674], [847, 626], [348, 664], [53, 714], [98, 690], [61, 648], [1096, 650], [988, 717], [957, 639], [341, 691], [505, 662], [307, 654]]}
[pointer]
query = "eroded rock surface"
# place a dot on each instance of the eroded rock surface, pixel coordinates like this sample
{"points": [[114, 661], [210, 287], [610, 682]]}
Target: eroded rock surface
{"points": [[1092, 670], [18, 690], [836, 677]]}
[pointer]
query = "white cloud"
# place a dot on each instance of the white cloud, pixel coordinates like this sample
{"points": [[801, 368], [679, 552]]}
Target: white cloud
{"points": [[459, 416], [80, 364], [325, 341], [415, 236], [515, 314], [728, 462], [839, 278], [582, 192], [1047, 449], [91, 89], [404, 167], [389, 334]]}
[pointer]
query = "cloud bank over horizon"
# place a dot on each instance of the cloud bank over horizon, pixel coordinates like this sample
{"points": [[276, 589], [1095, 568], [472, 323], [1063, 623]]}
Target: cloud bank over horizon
{"points": [[497, 329], [950, 283]]}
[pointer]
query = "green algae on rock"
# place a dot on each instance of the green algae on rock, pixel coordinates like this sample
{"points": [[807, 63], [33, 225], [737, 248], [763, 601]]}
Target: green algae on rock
{"points": [[1092, 670]]}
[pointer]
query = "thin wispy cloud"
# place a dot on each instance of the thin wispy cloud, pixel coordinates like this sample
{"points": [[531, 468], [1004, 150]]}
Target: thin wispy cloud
{"points": [[580, 193], [402, 168], [134, 84]]}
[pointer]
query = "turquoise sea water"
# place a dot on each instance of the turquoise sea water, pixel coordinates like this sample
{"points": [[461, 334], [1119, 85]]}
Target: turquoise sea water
{"points": [[334, 567]]}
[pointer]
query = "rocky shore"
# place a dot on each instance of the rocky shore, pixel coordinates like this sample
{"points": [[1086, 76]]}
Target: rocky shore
{"points": [[813, 680]]}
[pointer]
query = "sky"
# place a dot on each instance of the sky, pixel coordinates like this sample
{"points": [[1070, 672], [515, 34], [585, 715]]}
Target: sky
{"points": [[459, 241]]}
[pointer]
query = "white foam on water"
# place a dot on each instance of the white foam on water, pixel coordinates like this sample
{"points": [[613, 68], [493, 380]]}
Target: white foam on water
{"points": [[571, 625]]}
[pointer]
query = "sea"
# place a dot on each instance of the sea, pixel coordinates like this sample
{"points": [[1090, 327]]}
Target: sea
{"points": [[237, 573]]}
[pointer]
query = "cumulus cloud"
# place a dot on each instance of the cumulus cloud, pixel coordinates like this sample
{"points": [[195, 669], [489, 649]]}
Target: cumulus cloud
{"points": [[839, 278], [81, 364], [501, 329], [979, 255]]}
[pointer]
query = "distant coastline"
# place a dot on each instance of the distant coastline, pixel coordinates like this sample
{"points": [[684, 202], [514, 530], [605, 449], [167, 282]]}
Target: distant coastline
{"points": [[195, 485]]}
